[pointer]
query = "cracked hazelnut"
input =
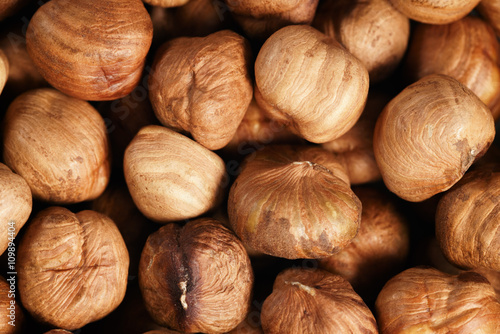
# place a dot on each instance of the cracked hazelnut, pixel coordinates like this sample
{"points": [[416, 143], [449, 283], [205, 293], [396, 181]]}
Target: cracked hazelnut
{"points": [[435, 11], [72, 267], [425, 300], [92, 50], [10, 311], [307, 301], [58, 144], [294, 202], [196, 278], [490, 10], [202, 85], [428, 136]]}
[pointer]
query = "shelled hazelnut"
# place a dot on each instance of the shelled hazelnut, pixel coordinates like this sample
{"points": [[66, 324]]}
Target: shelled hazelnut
{"points": [[201, 17], [490, 10], [166, 3], [435, 11], [10, 312]]}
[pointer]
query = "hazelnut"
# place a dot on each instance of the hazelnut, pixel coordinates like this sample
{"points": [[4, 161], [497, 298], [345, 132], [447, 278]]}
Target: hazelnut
{"points": [[196, 278], [15, 197], [201, 17], [493, 277], [4, 70], [93, 50], [72, 267], [435, 11], [428, 136], [373, 31], [10, 311], [467, 221], [294, 202], [425, 300], [490, 10], [10, 7], [202, 85], [58, 144], [317, 87], [166, 3], [315, 301], [466, 50], [171, 177]]}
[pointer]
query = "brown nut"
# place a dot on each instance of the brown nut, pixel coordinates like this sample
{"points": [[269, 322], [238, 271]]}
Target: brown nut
{"points": [[435, 11], [202, 85], [373, 31], [428, 136], [201, 17], [466, 50], [10, 7], [468, 221], [58, 331], [4, 70], [10, 311], [196, 278], [311, 301], [58, 144], [490, 10], [493, 277], [425, 300], [312, 83], [171, 177], [93, 50], [72, 267], [294, 202], [166, 3]]}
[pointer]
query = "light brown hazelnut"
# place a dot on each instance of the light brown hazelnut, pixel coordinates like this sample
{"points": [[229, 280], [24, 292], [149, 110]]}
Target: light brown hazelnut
{"points": [[294, 202], [4, 70], [307, 301], [196, 278], [166, 3], [202, 85], [72, 267], [435, 11], [58, 144], [316, 86], [490, 10], [92, 50], [373, 31], [10, 312], [466, 50], [428, 136], [170, 176], [425, 300]]}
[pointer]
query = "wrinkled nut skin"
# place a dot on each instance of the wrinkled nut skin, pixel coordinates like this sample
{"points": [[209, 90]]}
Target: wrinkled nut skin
{"points": [[490, 10], [4, 70], [425, 300], [428, 136], [466, 50], [468, 221], [58, 144], [435, 11], [196, 278], [294, 203], [5, 312], [373, 31], [327, 98], [16, 204], [493, 276], [73, 268], [166, 3], [108, 41], [307, 301], [202, 85], [167, 184]]}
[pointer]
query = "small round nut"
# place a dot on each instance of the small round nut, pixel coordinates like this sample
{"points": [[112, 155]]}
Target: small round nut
{"points": [[10, 312], [435, 11]]}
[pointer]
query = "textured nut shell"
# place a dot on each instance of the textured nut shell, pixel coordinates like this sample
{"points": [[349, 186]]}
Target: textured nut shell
{"points": [[15, 203], [202, 85], [435, 11], [315, 301], [425, 300], [294, 203], [429, 135], [165, 182], [5, 303], [490, 10], [93, 50], [58, 144], [72, 267], [373, 31], [196, 278], [468, 221], [466, 50], [4, 70], [319, 87]]}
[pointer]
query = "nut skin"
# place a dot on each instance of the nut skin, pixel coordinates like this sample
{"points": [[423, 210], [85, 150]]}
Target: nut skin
{"points": [[327, 98], [367, 30], [58, 144], [92, 50], [315, 301], [468, 220], [294, 202], [428, 136], [466, 50], [435, 11], [166, 3], [4, 70], [196, 278], [167, 184], [490, 10], [202, 85], [5, 303], [493, 277], [72, 267], [425, 300]]}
